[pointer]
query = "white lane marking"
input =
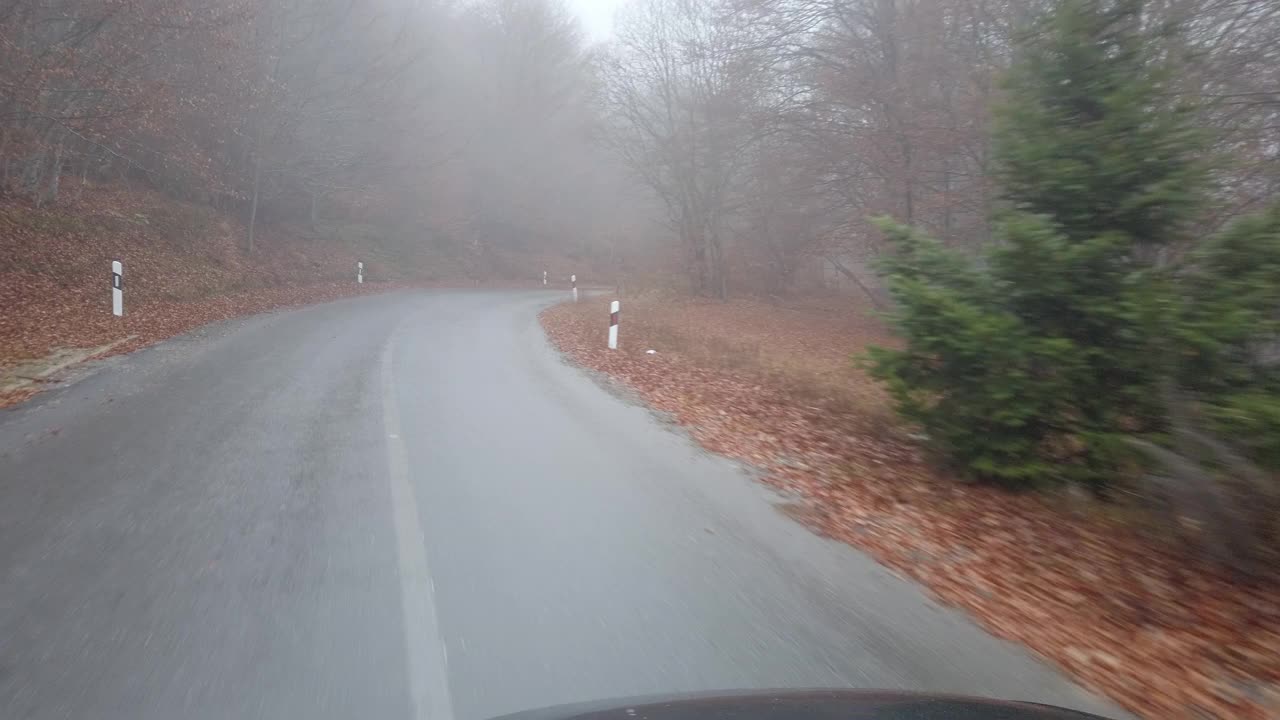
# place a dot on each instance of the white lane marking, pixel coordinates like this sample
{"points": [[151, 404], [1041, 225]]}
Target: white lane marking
{"points": [[428, 666]]}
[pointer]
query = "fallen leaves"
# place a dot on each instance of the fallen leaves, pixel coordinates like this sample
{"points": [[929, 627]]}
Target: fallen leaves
{"points": [[148, 323], [56, 294], [1162, 633]]}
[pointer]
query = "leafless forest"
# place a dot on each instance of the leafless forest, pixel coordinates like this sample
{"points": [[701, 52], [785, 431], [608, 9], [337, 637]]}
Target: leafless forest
{"points": [[727, 167], [732, 146]]}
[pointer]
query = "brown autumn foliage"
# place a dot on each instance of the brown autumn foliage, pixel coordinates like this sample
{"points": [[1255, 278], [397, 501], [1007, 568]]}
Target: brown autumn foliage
{"points": [[773, 131], [183, 268], [185, 265], [1165, 633], [764, 132], [280, 111], [237, 156]]}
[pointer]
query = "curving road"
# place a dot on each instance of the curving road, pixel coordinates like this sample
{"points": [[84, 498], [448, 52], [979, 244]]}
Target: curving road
{"points": [[408, 507]]}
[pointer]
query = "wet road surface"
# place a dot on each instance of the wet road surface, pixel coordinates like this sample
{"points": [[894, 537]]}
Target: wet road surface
{"points": [[408, 506]]}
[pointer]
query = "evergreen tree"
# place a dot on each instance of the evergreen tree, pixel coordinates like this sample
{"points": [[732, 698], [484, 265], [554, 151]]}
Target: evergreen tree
{"points": [[1088, 136], [1038, 360], [1229, 334]]}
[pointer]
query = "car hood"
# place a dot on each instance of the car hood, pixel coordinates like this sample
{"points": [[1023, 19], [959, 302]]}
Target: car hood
{"points": [[802, 705]]}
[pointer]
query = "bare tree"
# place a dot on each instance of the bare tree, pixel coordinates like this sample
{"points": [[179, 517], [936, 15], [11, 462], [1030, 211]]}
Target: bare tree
{"points": [[680, 89], [765, 133], [1231, 69]]}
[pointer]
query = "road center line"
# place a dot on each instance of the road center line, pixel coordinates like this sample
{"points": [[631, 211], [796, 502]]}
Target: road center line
{"points": [[428, 667]]}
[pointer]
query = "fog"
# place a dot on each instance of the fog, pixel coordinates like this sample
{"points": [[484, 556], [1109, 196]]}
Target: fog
{"points": [[729, 146], [596, 16], [992, 287], [466, 128]]}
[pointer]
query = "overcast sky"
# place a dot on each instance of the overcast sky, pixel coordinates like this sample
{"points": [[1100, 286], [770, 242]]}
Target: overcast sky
{"points": [[596, 16]]}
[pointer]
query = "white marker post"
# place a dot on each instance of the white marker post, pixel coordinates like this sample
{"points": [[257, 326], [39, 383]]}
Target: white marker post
{"points": [[613, 324], [544, 278], [117, 288], [573, 280], [359, 273]]}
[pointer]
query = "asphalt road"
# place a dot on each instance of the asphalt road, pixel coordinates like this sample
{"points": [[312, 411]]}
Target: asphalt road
{"points": [[407, 506]]}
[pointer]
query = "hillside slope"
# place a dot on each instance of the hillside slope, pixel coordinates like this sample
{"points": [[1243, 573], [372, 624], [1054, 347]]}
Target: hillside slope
{"points": [[184, 265]]}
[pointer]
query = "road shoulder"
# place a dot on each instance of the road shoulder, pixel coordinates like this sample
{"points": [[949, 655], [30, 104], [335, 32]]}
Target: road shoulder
{"points": [[1080, 589]]}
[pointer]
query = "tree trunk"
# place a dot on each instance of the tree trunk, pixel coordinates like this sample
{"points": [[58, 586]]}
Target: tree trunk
{"points": [[253, 204], [695, 258], [718, 272], [908, 187], [4, 160], [51, 195], [698, 270], [33, 174], [946, 200], [856, 281], [84, 175]]}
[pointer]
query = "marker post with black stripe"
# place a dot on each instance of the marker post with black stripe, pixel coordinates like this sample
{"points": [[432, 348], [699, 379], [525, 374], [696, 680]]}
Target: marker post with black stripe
{"points": [[614, 308], [117, 288], [359, 272], [573, 280]]}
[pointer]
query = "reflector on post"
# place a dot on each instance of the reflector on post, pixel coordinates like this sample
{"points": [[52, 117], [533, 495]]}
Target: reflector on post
{"points": [[614, 308], [117, 288]]}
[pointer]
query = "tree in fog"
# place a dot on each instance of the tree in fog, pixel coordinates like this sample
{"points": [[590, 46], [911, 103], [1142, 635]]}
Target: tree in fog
{"points": [[681, 90], [469, 123], [763, 133], [522, 133], [329, 76], [1230, 66], [1034, 363], [100, 84]]}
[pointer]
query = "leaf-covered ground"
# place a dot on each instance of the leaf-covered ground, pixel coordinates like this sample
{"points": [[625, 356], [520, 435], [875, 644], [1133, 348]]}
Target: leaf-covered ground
{"points": [[1156, 629], [185, 265], [145, 323]]}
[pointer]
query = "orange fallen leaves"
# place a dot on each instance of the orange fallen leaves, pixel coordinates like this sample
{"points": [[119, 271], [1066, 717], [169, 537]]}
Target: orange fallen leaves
{"points": [[183, 267], [1163, 634]]}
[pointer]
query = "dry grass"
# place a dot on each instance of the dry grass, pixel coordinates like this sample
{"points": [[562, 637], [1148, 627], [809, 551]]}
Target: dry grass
{"points": [[810, 352]]}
